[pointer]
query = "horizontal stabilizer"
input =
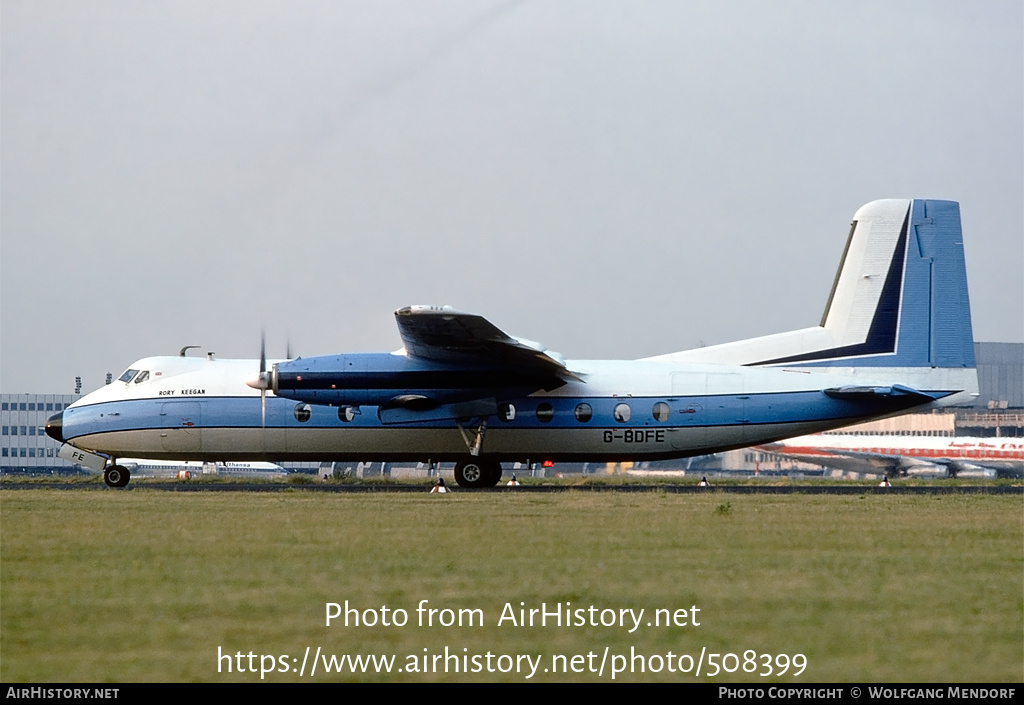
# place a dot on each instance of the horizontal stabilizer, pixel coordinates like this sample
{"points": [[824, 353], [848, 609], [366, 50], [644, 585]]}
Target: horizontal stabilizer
{"points": [[852, 393]]}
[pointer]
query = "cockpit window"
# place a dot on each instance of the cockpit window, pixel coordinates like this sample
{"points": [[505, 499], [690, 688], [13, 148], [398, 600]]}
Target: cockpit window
{"points": [[127, 376], [143, 376]]}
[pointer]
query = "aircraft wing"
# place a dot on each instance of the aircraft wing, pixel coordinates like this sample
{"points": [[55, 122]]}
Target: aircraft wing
{"points": [[443, 334], [842, 460], [862, 461], [892, 464]]}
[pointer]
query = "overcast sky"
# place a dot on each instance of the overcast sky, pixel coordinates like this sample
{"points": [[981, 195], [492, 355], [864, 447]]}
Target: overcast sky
{"points": [[615, 179]]}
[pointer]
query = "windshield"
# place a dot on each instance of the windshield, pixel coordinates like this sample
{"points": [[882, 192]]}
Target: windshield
{"points": [[127, 376]]}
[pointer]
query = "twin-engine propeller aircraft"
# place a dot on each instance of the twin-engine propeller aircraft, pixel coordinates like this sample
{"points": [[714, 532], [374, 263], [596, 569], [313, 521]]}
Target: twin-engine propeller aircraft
{"points": [[896, 336]]}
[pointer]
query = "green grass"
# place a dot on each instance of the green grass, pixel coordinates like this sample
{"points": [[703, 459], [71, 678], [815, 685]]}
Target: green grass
{"points": [[146, 585]]}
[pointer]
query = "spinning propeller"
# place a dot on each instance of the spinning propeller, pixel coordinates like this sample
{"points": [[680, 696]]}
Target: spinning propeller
{"points": [[265, 379]]}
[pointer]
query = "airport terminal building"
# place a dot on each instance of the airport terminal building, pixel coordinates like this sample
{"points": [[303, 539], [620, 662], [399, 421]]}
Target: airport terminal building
{"points": [[24, 445], [998, 411]]}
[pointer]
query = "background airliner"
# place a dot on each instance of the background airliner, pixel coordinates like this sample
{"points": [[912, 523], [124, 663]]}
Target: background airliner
{"points": [[144, 467], [929, 456], [896, 335]]}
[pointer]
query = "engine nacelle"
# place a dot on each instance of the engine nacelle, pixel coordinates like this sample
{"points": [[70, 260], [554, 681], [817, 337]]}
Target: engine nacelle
{"points": [[394, 380], [924, 469], [971, 471]]}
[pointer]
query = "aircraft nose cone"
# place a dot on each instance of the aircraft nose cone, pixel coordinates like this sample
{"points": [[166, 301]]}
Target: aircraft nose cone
{"points": [[55, 427]]}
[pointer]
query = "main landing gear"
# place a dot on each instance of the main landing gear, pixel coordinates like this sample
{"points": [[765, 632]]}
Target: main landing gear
{"points": [[116, 476], [477, 473]]}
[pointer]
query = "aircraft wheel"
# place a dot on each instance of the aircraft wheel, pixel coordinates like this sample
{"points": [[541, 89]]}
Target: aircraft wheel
{"points": [[470, 474], [116, 476], [477, 473]]}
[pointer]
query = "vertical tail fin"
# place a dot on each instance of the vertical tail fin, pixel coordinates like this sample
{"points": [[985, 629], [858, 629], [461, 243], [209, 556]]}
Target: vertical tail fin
{"points": [[899, 301], [900, 295]]}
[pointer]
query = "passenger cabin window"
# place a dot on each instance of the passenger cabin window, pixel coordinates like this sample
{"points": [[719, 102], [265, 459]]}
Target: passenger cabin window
{"points": [[660, 411], [127, 376], [302, 412], [545, 412], [584, 413], [621, 412], [345, 413], [506, 412]]}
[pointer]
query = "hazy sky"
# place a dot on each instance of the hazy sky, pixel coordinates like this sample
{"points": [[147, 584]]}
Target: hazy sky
{"points": [[615, 179]]}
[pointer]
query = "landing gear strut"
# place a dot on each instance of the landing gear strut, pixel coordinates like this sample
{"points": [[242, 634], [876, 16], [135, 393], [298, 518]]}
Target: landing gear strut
{"points": [[116, 476], [477, 473]]}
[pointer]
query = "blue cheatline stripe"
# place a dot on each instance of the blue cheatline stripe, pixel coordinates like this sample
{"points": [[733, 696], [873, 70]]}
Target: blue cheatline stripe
{"points": [[685, 412]]}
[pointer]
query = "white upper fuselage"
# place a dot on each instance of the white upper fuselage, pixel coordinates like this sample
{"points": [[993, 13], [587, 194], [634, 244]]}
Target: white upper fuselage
{"points": [[187, 377]]}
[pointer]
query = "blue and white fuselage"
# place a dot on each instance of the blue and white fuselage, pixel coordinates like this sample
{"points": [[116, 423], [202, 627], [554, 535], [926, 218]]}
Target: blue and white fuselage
{"points": [[896, 336], [202, 410]]}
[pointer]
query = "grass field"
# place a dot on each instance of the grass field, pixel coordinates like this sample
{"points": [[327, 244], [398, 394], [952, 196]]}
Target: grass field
{"points": [[149, 586]]}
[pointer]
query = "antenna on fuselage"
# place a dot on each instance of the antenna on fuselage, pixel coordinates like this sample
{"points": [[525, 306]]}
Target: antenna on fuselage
{"points": [[181, 353]]}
